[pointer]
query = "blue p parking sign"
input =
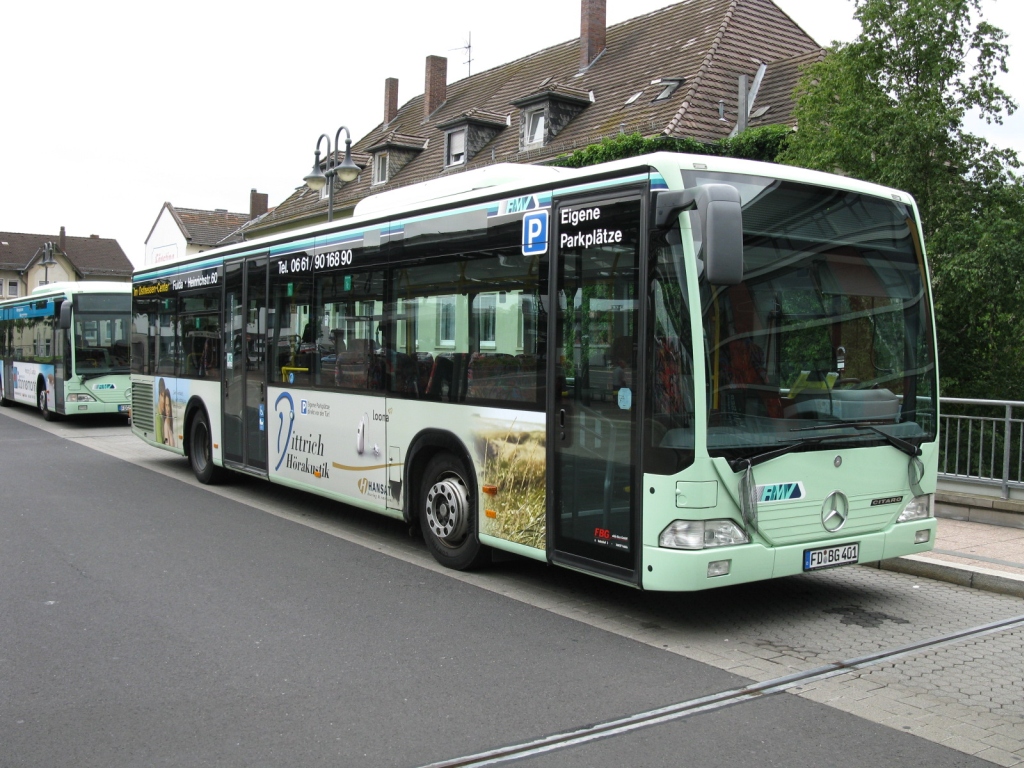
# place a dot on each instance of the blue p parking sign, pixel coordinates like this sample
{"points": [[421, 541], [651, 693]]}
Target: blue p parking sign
{"points": [[535, 233]]}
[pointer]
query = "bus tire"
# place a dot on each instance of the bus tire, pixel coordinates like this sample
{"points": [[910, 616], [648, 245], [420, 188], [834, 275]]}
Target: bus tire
{"points": [[44, 407], [448, 514], [200, 451]]}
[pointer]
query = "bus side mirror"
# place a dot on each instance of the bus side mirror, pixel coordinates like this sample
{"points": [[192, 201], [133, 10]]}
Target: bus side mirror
{"points": [[65, 315], [721, 223]]}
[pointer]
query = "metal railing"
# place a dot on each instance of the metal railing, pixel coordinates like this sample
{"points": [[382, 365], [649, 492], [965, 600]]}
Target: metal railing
{"points": [[982, 442]]}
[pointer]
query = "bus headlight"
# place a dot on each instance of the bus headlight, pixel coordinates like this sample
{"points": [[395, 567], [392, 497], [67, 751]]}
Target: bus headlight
{"points": [[919, 508], [80, 397], [701, 534]]}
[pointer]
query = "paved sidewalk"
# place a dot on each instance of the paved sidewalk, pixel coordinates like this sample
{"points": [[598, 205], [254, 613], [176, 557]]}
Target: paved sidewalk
{"points": [[979, 555]]}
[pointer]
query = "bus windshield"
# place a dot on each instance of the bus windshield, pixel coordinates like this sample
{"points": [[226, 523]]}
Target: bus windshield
{"points": [[829, 327], [101, 334]]}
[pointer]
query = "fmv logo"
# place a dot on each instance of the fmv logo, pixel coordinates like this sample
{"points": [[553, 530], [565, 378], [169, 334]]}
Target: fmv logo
{"points": [[780, 492]]}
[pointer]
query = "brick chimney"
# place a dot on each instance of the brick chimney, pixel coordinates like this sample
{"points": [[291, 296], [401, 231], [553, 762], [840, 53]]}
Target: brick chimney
{"points": [[592, 31], [436, 86], [257, 204], [61, 241], [390, 99]]}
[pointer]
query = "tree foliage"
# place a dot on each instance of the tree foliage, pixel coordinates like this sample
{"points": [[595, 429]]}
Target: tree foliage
{"points": [[762, 143], [889, 107]]}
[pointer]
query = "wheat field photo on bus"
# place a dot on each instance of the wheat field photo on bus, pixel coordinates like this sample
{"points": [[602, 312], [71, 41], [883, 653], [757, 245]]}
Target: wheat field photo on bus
{"points": [[514, 462]]}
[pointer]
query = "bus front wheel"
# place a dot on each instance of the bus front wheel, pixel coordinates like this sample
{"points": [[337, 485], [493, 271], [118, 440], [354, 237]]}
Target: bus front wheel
{"points": [[448, 515], [200, 451], [44, 406]]}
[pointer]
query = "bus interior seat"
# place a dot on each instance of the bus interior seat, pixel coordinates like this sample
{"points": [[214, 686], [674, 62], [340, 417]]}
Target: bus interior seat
{"points": [[745, 387], [493, 377], [424, 366], [404, 374], [439, 384], [670, 405]]}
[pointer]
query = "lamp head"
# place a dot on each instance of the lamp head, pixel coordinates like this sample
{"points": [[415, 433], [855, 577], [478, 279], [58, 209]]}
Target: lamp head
{"points": [[348, 171], [47, 260], [315, 179]]}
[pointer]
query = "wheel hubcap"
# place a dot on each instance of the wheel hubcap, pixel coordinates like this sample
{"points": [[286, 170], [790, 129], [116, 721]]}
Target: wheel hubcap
{"points": [[448, 509]]}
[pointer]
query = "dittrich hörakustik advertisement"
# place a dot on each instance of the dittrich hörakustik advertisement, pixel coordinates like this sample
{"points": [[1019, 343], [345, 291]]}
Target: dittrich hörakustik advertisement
{"points": [[346, 452], [24, 378], [313, 441], [169, 398]]}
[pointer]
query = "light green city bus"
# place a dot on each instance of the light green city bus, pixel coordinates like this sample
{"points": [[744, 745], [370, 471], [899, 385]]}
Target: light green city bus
{"points": [[64, 349], [675, 372]]}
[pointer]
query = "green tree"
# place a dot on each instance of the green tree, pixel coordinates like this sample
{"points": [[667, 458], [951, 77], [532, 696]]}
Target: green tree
{"points": [[889, 107], [762, 143]]}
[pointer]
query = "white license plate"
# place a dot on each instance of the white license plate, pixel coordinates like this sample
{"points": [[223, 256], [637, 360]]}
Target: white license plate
{"points": [[829, 557]]}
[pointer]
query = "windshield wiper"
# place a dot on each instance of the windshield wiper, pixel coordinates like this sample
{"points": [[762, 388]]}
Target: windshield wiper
{"points": [[97, 374], [903, 445], [896, 442], [760, 458]]}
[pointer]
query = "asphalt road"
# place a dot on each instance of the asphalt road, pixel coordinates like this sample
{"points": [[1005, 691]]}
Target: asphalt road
{"points": [[146, 620]]}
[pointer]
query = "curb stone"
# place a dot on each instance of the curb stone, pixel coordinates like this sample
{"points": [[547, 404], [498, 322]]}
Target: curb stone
{"points": [[964, 576]]}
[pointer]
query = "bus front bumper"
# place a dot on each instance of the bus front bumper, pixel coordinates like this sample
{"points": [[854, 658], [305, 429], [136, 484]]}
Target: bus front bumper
{"points": [[72, 408], [676, 570]]}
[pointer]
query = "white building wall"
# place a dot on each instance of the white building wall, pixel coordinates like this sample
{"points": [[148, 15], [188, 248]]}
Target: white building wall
{"points": [[166, 242]]}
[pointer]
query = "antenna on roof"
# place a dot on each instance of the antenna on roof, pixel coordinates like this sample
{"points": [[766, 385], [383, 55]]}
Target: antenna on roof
{"points": [[468, 48]]}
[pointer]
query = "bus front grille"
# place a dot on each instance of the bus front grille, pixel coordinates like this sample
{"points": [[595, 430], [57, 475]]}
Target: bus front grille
{"points": [[142, 406]]}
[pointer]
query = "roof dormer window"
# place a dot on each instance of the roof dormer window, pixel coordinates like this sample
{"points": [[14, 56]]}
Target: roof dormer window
{"points": [[455, 147], [544, 113], [535, 124], [392, 152], [380, 168]]}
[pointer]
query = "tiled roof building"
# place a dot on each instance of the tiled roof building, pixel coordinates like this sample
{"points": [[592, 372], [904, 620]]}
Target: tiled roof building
{"points": [[74, 258], [180, 231], [206, 228], [671, 72]]}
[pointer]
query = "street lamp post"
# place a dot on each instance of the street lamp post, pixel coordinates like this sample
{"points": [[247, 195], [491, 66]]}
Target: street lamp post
{"points": [[346, 170], [47, 262]]}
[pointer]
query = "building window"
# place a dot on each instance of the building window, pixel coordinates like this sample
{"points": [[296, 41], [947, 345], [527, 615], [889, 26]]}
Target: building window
{"points": [[486, 316], [12, 288], [456, 147], [380, 167], [446, 321], [534, 127]]}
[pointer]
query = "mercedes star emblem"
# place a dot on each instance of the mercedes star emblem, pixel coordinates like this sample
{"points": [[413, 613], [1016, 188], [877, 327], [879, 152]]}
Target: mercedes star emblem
{"points": [[835, 511]]}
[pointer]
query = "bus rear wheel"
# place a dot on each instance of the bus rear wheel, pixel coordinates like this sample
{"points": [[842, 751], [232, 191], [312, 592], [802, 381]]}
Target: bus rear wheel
{"points": [[44, 406], [448, 515], [200, 451]]}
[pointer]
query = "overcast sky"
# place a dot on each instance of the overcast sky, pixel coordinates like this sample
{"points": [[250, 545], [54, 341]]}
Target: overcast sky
{"points": [[111, 108]]}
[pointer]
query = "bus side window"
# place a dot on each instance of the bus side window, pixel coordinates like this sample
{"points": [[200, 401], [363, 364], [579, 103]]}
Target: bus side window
{"points": [[351, 356]]}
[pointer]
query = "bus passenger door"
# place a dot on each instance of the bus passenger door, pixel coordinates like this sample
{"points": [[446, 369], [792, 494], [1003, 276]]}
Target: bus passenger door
{"points": [[245, 364], [594, 400]]}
